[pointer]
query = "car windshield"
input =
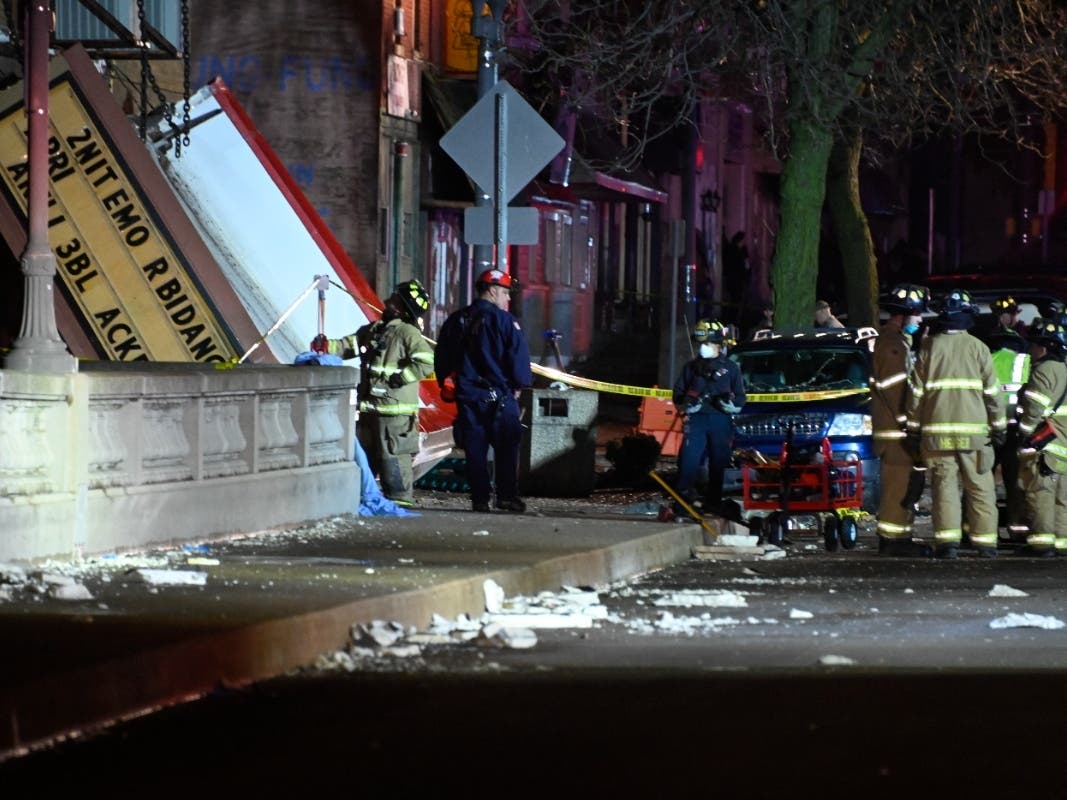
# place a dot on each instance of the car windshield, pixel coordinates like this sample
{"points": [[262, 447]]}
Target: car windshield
{"points": [[802, 369]]}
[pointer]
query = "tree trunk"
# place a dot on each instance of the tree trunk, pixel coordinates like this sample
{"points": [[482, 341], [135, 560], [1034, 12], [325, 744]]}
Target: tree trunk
{"points": [[851, 230], [796, 253]]}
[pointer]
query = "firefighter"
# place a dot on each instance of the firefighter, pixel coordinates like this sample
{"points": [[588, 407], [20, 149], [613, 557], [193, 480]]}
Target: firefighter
{"points": [[708, 390], [483, 349], [1043, 460], [953, 413], [394, 357], [1011, 362], [1007, 322], [892, 363]]}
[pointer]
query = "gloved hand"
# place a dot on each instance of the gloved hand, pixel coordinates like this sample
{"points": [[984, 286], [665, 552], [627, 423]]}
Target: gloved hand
{"points": [[998, 437], [396, 380], [728, 407], [320, 344], [692, 408]]}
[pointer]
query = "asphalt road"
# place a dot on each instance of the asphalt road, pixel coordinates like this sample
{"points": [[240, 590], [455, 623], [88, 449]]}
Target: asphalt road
{"points": [[817, 675]]}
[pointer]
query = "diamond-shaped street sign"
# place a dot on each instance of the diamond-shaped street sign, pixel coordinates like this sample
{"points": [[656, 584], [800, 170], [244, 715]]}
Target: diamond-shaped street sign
{"points": [[528, 144]]}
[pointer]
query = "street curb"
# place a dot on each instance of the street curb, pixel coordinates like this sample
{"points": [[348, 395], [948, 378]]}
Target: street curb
{"points": [[39, 712]]}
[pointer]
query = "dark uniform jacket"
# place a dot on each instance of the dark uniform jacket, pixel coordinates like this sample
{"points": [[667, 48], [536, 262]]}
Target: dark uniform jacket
{"points": [[484, 347], [707, 382]]}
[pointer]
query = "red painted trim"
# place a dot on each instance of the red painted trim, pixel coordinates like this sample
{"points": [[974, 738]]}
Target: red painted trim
{"points": [[331, 248]]}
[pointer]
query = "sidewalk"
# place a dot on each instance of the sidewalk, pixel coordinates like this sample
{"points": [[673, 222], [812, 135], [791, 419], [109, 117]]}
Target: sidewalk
{"points": [[149, 629]]}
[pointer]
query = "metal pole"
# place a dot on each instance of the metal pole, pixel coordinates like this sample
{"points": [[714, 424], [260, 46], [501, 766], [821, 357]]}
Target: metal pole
{"points": [[488, 29], [38, 347], [500, 199]]}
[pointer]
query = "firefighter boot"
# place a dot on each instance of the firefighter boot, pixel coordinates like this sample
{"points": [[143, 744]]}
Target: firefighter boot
{"points": [[903, 548]]}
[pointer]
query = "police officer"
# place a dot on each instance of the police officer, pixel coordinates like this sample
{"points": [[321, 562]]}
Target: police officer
{"points": [[953, 411], [891, 364], [394, 357], [483, 349], [1011, 362], [1043, 462], [707, 391]]}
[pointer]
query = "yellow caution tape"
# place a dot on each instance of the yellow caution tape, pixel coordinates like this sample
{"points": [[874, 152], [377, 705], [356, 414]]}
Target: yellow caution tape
{"points": [[642, 391], [793, 397], [599, 386]]}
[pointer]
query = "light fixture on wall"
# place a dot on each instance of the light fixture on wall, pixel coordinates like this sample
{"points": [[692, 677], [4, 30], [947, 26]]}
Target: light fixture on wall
{"points": [[398, 23]]}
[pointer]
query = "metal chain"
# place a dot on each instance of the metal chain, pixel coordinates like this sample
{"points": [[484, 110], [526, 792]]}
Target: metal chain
{"points": [[146, 73], [185, 74]]}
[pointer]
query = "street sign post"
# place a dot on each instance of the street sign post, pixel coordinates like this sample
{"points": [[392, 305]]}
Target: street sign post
{"points": [[501, 143]]}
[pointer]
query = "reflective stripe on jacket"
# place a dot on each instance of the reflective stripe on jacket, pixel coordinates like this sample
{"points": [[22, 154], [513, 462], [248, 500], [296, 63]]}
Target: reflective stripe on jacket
{"points": [[955, 395]]}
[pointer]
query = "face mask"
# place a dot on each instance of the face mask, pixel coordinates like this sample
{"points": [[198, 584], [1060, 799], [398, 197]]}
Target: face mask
{"points": [[911, 328], [709, 350]]}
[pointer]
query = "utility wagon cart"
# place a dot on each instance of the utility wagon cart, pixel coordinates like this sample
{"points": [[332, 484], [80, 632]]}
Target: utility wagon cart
{"points": [[804, 482]]}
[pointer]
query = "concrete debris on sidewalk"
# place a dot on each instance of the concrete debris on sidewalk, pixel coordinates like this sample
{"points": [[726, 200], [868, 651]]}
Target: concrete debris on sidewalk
{"points": [[711, 598], [14, 578], [1027, 621], [836, 661], [738, 552], [495, 634], [508, 623], [1003, 590], [169, 577], [799, 613]]}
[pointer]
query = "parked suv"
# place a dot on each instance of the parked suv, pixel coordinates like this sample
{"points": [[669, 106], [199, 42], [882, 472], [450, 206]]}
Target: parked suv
{"points": [[817, 381]]}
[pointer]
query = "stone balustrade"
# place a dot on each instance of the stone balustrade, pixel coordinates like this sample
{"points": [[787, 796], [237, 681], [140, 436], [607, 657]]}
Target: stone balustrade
{"points": [[119, 456]]}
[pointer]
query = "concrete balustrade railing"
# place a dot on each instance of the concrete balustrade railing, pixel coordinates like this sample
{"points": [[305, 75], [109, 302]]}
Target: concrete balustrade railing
{"points": [[117, 457]]}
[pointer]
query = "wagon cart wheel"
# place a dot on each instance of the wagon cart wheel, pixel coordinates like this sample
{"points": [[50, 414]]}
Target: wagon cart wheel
{"points": [[847, 532], [829, 532]]}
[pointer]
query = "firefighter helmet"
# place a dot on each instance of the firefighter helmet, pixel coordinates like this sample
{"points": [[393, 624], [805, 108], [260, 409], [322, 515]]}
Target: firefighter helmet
{"points": [[495, 277], [413, 297], [1049, 334], [1005, 305], [906, 298], [958, 301], [709, 331]]}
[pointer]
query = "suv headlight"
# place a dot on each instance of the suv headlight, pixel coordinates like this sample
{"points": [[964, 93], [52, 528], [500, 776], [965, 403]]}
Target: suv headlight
{"points": [[851, 425]]}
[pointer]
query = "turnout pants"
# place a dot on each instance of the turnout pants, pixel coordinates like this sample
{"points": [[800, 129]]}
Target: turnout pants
{"points": [[1046, 504], [895, 467], [971, 470], [391, 444]]}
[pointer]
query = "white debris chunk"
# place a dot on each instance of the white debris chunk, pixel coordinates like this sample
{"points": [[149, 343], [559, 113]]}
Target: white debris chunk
{"points": [[202, 561], [70, 591], [1003, 590], [836, 661], [406, 650], [53, 579], [1027, 621], [480, 533], [495, 634], [494, 596], [11, 573], [377, 634], [736, 540], [772, 553], [171, 577], [713, 598], [542, 620], [798, 613]]}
